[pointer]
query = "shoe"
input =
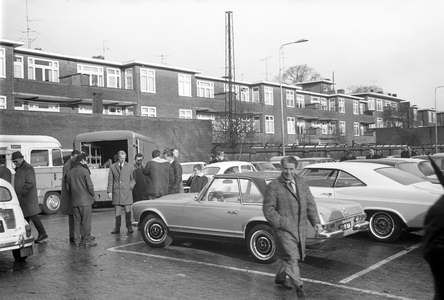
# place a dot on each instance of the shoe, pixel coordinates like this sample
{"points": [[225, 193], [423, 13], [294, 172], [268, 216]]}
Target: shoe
{"points": [[90, 244], [284, 284], [71, 240], [115, 230], [300, 292], [91, 238], [130, 230], [41, 238], [78, 244]]}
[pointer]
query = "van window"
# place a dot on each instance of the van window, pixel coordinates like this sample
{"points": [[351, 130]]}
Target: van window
{"points": [[57, 159], [39, 158], [5, 195]]}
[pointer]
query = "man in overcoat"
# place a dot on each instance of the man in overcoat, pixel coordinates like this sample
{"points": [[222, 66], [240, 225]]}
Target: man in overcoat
{"points": [[26, 189], [140, 190], [159, 175], [176, 186], [121, 182], [288, 206], [81, 191]]}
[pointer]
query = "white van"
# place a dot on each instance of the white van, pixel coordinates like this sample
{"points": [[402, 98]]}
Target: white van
{"points": [[44, 153]]}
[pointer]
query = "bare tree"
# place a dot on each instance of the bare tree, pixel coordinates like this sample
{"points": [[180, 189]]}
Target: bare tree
{"points": [[354, 89], [298, 73]]}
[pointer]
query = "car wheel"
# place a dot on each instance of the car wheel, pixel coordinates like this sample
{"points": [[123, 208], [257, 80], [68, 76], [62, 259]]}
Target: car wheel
{"points": [[155, 232], [385, 227], [261, 244], [17, 256], [51, 203]]}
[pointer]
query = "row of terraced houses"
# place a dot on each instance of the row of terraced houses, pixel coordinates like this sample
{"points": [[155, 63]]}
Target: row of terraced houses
{"points": [[314, 112]]}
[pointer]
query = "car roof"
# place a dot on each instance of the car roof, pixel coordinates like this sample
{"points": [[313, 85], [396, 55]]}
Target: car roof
{"points": [[389, 161], [228, 163], [347, 165], [259, 174], [314, 158], [193, 163]]}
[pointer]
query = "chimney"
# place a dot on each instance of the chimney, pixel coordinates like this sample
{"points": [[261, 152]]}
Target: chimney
{"points": [[341, 91], [395, 95]]}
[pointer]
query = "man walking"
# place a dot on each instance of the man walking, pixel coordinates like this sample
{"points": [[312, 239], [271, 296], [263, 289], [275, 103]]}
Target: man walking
{"points": [[26, 190], [159, 173], [121, 181], [288, 206], [65, 199], [81, 192]]}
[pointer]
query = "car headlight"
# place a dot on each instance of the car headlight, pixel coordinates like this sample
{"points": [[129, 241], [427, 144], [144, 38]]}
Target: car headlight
{"points": [[360, 218]]}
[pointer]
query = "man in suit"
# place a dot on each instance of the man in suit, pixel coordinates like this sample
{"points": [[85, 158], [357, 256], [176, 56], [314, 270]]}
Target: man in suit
{"points": [[176, 186], [140, 190], [121, 182], [288, 206]]}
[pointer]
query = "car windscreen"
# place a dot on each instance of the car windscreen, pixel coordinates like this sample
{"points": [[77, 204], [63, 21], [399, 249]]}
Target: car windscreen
{"points": [[399, 176], [210, 170], [5, 195], [187, 169], [265, 166], [411, 168]]}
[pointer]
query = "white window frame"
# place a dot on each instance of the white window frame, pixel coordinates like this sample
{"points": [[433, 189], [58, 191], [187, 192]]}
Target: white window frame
{"points": [[290, 98], [332, 128], [114, 110], [244, 94], [18, 67], [205, 89], [342, 128], [269, 124], [93, 72], [356, 128], [2, 63], [387, 103], [85, 109], [355, 107], [324, 105], [185, 114], [324, 127], [332, 104], [315, 100], [37, 106], [3, 102], [255, 95], [147, 80], [129, 110], [291, 125], [148, 111], [300, 101], [341, 105], [379, 123], [113, 78], [129, 79], [184, 84], [268, 95], [371, 104], [301, 127], [379, 105], [361, 108], [52, 69]]}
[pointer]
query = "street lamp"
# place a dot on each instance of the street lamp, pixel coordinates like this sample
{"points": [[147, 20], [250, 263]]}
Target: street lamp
{"points": [[436, 121], [282, 100]]}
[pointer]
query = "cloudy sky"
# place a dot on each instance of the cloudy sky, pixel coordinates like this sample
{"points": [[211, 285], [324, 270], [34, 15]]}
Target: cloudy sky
{"points": [[395, 44]]}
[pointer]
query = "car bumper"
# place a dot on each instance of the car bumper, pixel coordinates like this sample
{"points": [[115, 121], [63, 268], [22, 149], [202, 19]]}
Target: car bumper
{"points": [[363, 226], [16, 243]]}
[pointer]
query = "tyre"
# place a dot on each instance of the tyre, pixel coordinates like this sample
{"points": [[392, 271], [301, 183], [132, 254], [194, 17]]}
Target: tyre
{"points": [[51, 203], [17, 256], [261, 244], [155, 232], [385, 227]]}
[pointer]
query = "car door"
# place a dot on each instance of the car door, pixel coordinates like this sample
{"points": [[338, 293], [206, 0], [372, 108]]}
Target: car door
{"points": [[321, 182], [216, 211]]}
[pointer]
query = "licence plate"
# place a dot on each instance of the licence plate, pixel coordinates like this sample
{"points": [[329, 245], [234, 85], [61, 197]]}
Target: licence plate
{"points": [[345, 226], [26, 251]]}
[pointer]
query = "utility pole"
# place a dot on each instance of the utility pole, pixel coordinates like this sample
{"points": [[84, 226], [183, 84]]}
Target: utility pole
{"points": [[229, 74], [104, 48], [266, 66]]}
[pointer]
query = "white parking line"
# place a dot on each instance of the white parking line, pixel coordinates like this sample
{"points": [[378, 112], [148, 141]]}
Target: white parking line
{"points": [[377, 265], [117, 249]]}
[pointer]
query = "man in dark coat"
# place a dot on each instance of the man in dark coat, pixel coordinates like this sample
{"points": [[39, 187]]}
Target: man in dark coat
{"points": [[65, 199], [288, 206], [159, 175], [197, 180], [81, 191], [121, 182], [5, 173], [26, 189], [176, 186], [140, 190], [348, 156]]}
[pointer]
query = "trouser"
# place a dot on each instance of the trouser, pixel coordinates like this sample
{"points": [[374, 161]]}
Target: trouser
{"points": [[289, 267], [127, 209], [436, 261], [71, 226], [37, 223], [82, 223]]}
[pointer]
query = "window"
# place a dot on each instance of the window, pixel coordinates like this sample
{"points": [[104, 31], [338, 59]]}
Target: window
{"points": [[387, 103], [148, 111], [85, 109], [341, 104], [43, 70], [269, 124], [290, 98], [268, 92], [255, 96], [379, 105], [114, 110], [291, 125], [57, 157], [129, 79], [315, 100], [40, 106], [300, 101], [113, 78], [332, 104], [301, 127], [245, 94], [379, 123], [95, 74], [185, 114], [355, 107], [250, 192], [356, 128], [257, 124], [324, 128], [361, 108], [205, 117], [2, 102], [332, 128], [18, 66], [205, 89], [19, 105], [371, 104], [324, 104], [129, 111], [184, 85], [39, 158], [362, 129], [342, 128], [147, 80], [2, 62]]}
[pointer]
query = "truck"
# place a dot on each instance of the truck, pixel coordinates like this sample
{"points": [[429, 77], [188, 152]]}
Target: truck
{"points": [[101, 148], [44, 153]]}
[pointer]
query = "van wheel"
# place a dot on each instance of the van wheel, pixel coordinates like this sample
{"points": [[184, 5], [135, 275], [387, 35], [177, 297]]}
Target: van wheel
{"points": [[51, 203]]}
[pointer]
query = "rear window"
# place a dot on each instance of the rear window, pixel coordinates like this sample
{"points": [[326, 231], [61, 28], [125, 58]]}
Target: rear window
{"points": [[5, 195], [211, 170], [187, 168], [399, 176]]}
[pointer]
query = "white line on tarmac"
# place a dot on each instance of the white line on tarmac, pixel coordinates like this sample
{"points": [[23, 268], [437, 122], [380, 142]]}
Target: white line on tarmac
{"points": [[116, 249], [377, 265]]}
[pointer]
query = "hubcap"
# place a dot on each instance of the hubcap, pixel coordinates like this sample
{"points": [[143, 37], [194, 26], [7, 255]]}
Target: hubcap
{"points": [[383, 225], [53, 202]]}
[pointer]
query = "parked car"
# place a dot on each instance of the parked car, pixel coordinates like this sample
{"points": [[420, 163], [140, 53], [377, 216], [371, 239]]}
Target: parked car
{"points": [[15, 232], [418, 167], [437, 157], [276, 160], [302, 162], [187, 171], [394, 200], [228, 167], [264, 166], [230, 209]]}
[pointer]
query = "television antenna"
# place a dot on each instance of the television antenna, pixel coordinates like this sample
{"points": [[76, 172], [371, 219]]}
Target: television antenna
{"points": [[162, 60], [266, 66], [28, 29]]}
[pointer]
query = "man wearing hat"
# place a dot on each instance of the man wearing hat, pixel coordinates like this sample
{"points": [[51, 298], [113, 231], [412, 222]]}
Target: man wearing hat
{"points": [[26, 190]]}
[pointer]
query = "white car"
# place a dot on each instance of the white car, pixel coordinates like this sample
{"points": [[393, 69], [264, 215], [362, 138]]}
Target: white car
{"points": [[15, 232], [187, 171], [228, 167], [394, 200]]}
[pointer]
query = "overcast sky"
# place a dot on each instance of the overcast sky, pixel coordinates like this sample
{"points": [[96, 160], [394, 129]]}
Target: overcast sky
{"points": [[395, 44]]}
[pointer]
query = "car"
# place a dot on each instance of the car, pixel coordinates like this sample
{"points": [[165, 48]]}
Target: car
{"points": [[228, 167], [418, 167], [394, 200], [302, 162], [437, 157], [229, 208], [187, 171], [264, 166], [15, 232]]}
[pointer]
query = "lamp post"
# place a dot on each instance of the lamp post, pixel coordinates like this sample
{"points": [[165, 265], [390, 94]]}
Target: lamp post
{"points": [[436, 121], [282, 98]]}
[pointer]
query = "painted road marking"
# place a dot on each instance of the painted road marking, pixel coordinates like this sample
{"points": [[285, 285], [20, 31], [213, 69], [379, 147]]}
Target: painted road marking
{"points": [[117, 249], [377, 265]]}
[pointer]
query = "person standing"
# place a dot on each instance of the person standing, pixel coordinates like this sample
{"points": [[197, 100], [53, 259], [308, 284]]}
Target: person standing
{"points": [[140, 189], [121, 181], [405, 153], [348, 156], [159, 173], [5, 173], [81, 192], [288, 207], [26, 190], [176, 185], [198, 180], [65, 198], [371, 154]]}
